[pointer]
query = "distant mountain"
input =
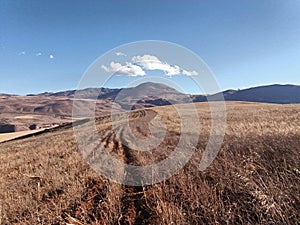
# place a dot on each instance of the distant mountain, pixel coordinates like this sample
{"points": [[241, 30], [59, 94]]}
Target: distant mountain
{"points": [[161, 94], [148, 95], [20, 112], [281, 94], [88, 93]]}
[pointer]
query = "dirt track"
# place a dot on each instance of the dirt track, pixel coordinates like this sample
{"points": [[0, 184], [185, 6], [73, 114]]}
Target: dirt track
{"points": [[115, 141]]}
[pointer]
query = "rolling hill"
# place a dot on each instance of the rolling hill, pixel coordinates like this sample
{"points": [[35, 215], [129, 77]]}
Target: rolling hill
{"points": [[45, 109], [280, 94]]}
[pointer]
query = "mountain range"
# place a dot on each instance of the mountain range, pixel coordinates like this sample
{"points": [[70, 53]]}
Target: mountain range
{"points": [[280, 94], [46, 109]]}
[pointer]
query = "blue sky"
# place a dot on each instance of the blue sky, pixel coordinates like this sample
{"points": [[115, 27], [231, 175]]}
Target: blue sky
{"points": [[47, 45]]}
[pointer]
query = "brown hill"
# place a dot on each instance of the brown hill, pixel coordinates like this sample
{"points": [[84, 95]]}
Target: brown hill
{"points": [[280, 94], [47, 109]]}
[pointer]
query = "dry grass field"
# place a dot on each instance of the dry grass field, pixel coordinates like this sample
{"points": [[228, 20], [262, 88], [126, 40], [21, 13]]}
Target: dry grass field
{"points": [[255, 178]]}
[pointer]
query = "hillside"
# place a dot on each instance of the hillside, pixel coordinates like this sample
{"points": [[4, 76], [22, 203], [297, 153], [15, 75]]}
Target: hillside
{"points": [[47, 109], [282, 94], [254, 179]]}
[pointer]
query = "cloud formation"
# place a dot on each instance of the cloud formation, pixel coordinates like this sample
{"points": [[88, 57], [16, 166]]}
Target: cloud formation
{"points": [[22, 53], [189, 73], [129, 69], [139, 64], [38, 54], [151, 62], [120, 54], [51, 56]]}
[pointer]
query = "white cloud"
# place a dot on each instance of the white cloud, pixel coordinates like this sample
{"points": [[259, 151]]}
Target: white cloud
{"points": [[51, 56], [189, 73], [128, 69], [38, 54], [151, 62], [120, 54], [139, 64], [22, 53]]}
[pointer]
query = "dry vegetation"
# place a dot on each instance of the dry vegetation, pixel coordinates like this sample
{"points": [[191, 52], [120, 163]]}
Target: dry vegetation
{"points": [[254, 180], [44, 111]]}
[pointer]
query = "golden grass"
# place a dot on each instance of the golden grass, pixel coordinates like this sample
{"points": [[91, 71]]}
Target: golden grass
{"points": [[254, 180]]}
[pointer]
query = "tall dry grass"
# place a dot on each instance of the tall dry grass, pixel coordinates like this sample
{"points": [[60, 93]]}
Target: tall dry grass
{"points": [[254, 180]]}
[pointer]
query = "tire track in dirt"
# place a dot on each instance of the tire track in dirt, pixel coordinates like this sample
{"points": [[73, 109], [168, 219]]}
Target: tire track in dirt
{"points": [[134, 207]]}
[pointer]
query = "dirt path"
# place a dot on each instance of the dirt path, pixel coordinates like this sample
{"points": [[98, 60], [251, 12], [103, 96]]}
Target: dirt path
{"points": [[133, 207]]}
